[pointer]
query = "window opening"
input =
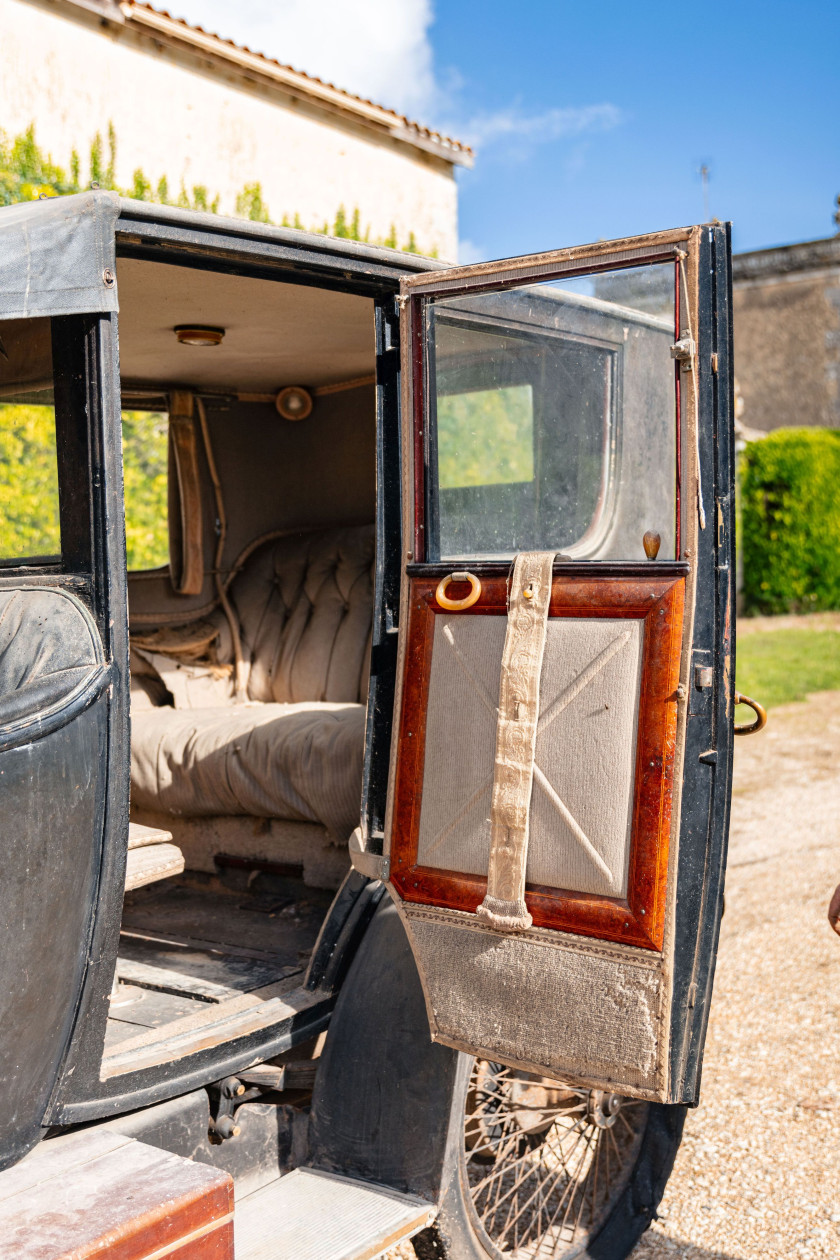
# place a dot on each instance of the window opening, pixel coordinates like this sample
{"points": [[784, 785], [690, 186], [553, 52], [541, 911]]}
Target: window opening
{"points": [[145, 437], [30, 529], [551, 417]]}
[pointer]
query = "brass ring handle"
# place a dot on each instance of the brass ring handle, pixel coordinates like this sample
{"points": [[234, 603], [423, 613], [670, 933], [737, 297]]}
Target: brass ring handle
{"points": [[458, 605], [760, 712]]}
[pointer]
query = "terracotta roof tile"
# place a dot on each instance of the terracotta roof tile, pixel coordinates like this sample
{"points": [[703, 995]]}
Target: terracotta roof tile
{"points": [[456, 146]]}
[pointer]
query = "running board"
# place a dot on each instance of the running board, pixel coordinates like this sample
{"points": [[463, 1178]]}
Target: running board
{"points": [[312, 1215]]}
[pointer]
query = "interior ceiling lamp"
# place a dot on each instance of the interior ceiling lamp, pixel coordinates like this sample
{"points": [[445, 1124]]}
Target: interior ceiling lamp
{"points": [[294, 402], [196, 335]]}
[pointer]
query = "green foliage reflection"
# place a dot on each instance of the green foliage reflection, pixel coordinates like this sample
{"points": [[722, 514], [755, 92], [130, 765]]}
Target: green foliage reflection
{"points": [[29, 522], [145, 456], [29, 519], [486, 437]]}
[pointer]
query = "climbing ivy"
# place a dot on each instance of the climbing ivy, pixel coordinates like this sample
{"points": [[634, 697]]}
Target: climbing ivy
{"points": [[27, 173]]}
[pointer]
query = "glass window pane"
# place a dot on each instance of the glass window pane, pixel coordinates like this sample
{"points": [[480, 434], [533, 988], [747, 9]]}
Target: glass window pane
{"points": [[552, 418], [29, 521], [486, 436], [145, 436], [29, 515]]}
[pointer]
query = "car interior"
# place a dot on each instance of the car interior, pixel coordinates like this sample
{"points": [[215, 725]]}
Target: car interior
{"points": [[249, 643]]}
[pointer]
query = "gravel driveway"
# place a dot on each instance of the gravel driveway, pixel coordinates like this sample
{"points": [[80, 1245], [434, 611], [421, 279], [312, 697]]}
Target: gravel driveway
{"points": [[758, 1174]]}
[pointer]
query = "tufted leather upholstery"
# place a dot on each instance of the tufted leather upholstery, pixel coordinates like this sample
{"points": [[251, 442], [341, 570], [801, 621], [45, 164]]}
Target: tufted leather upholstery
{"points": [[304, 604]]}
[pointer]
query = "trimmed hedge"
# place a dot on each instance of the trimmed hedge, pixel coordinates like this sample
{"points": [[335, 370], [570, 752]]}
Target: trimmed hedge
{"points": [[790, 521]]}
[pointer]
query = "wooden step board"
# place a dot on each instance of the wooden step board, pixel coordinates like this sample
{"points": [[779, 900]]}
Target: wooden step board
{"points": [[96, 1193], [152, 862], [139, 836], [312, 1215], [151, 856]]}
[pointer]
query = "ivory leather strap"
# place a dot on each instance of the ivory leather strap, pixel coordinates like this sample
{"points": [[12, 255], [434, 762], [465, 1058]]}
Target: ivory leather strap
{"points": [[516, 735]]}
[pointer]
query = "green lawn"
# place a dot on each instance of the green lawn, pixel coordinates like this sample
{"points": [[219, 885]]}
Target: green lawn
{"points": [[777, 666]]}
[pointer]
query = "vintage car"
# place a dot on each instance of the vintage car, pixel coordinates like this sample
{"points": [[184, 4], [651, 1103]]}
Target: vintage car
{"points": [[423, 726]]}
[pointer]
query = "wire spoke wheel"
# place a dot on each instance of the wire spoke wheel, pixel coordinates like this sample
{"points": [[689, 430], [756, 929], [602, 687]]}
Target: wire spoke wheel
{"points": [[544, 1162]]}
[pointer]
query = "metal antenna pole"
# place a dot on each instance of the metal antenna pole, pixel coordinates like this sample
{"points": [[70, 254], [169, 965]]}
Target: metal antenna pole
{"points": [[704, 175]]}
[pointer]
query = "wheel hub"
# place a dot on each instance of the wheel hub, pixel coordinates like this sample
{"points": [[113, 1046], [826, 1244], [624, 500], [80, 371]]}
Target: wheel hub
{"points": [[602, 1108]]}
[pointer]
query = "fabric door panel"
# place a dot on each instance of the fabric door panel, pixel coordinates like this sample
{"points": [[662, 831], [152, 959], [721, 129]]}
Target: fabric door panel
{"points": [[590, 667], [605, 754]]}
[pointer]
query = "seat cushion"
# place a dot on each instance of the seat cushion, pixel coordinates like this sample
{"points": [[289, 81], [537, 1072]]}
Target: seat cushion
{"points": [[301, 762], [305, 605]]}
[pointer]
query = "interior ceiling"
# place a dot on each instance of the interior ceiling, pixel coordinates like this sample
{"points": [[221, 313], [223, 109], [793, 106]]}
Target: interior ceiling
{"points": [[276, 333]]}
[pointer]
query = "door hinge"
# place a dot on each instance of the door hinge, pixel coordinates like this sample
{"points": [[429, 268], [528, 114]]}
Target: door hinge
{"points": [[704, 676], [391, 625], [374, 865], [684, 351]]}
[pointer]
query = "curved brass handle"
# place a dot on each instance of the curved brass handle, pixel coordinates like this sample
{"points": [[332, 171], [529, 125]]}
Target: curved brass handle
{"points": [[456, 605], [760, 715]]}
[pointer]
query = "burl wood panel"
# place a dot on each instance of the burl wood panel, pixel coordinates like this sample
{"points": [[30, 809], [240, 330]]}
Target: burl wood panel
{"points": [[638, 919]]}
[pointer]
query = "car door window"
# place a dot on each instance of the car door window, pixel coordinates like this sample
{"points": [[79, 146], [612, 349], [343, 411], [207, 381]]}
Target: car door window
{"points": [[552, 417]]}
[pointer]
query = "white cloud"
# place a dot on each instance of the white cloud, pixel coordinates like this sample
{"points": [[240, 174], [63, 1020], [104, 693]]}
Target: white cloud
{"points": [[381, 49], [469, 252], [550, 124], [376, 48]]}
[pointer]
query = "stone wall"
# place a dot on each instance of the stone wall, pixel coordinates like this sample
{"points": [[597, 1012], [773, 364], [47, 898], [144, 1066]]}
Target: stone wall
{"points": [[787, 335]]}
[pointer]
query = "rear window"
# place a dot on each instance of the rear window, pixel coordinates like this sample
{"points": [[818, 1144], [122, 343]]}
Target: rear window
{"points": [[145, 436]]}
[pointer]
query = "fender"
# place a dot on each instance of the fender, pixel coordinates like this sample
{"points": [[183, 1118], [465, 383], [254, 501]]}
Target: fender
{"points": [[383, 1096]]}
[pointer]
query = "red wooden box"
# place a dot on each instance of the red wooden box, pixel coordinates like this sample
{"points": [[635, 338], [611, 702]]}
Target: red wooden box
{"points": [[99, 1194]]}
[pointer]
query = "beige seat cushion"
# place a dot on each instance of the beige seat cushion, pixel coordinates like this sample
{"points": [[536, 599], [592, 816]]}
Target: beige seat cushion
{"points": [[294, 761], [305, 606]]}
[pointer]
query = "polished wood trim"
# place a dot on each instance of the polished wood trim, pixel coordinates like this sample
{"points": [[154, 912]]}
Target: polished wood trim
{"points": [[639, 919]]}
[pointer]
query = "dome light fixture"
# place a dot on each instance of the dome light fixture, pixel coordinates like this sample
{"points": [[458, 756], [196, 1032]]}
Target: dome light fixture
{"points": [[196, 335], [294, 402]]}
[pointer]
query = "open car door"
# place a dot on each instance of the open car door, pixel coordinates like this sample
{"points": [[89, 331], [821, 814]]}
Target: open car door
{"points": [[560, 774]]}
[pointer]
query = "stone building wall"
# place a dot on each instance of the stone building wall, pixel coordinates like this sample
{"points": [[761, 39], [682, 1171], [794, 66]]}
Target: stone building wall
{"points": [[787, 335], [200, 111]]}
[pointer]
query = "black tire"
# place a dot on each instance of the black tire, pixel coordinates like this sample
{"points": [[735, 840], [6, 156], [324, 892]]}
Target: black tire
{"points": [[611, 1223]]}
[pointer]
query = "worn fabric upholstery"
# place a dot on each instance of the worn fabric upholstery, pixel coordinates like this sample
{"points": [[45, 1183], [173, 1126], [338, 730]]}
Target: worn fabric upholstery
{"points": [[295, 761], [305, 608], [304, 604]]}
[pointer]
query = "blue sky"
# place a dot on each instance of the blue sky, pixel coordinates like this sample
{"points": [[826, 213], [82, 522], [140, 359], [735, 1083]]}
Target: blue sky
{"points": [[591, 120]]}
